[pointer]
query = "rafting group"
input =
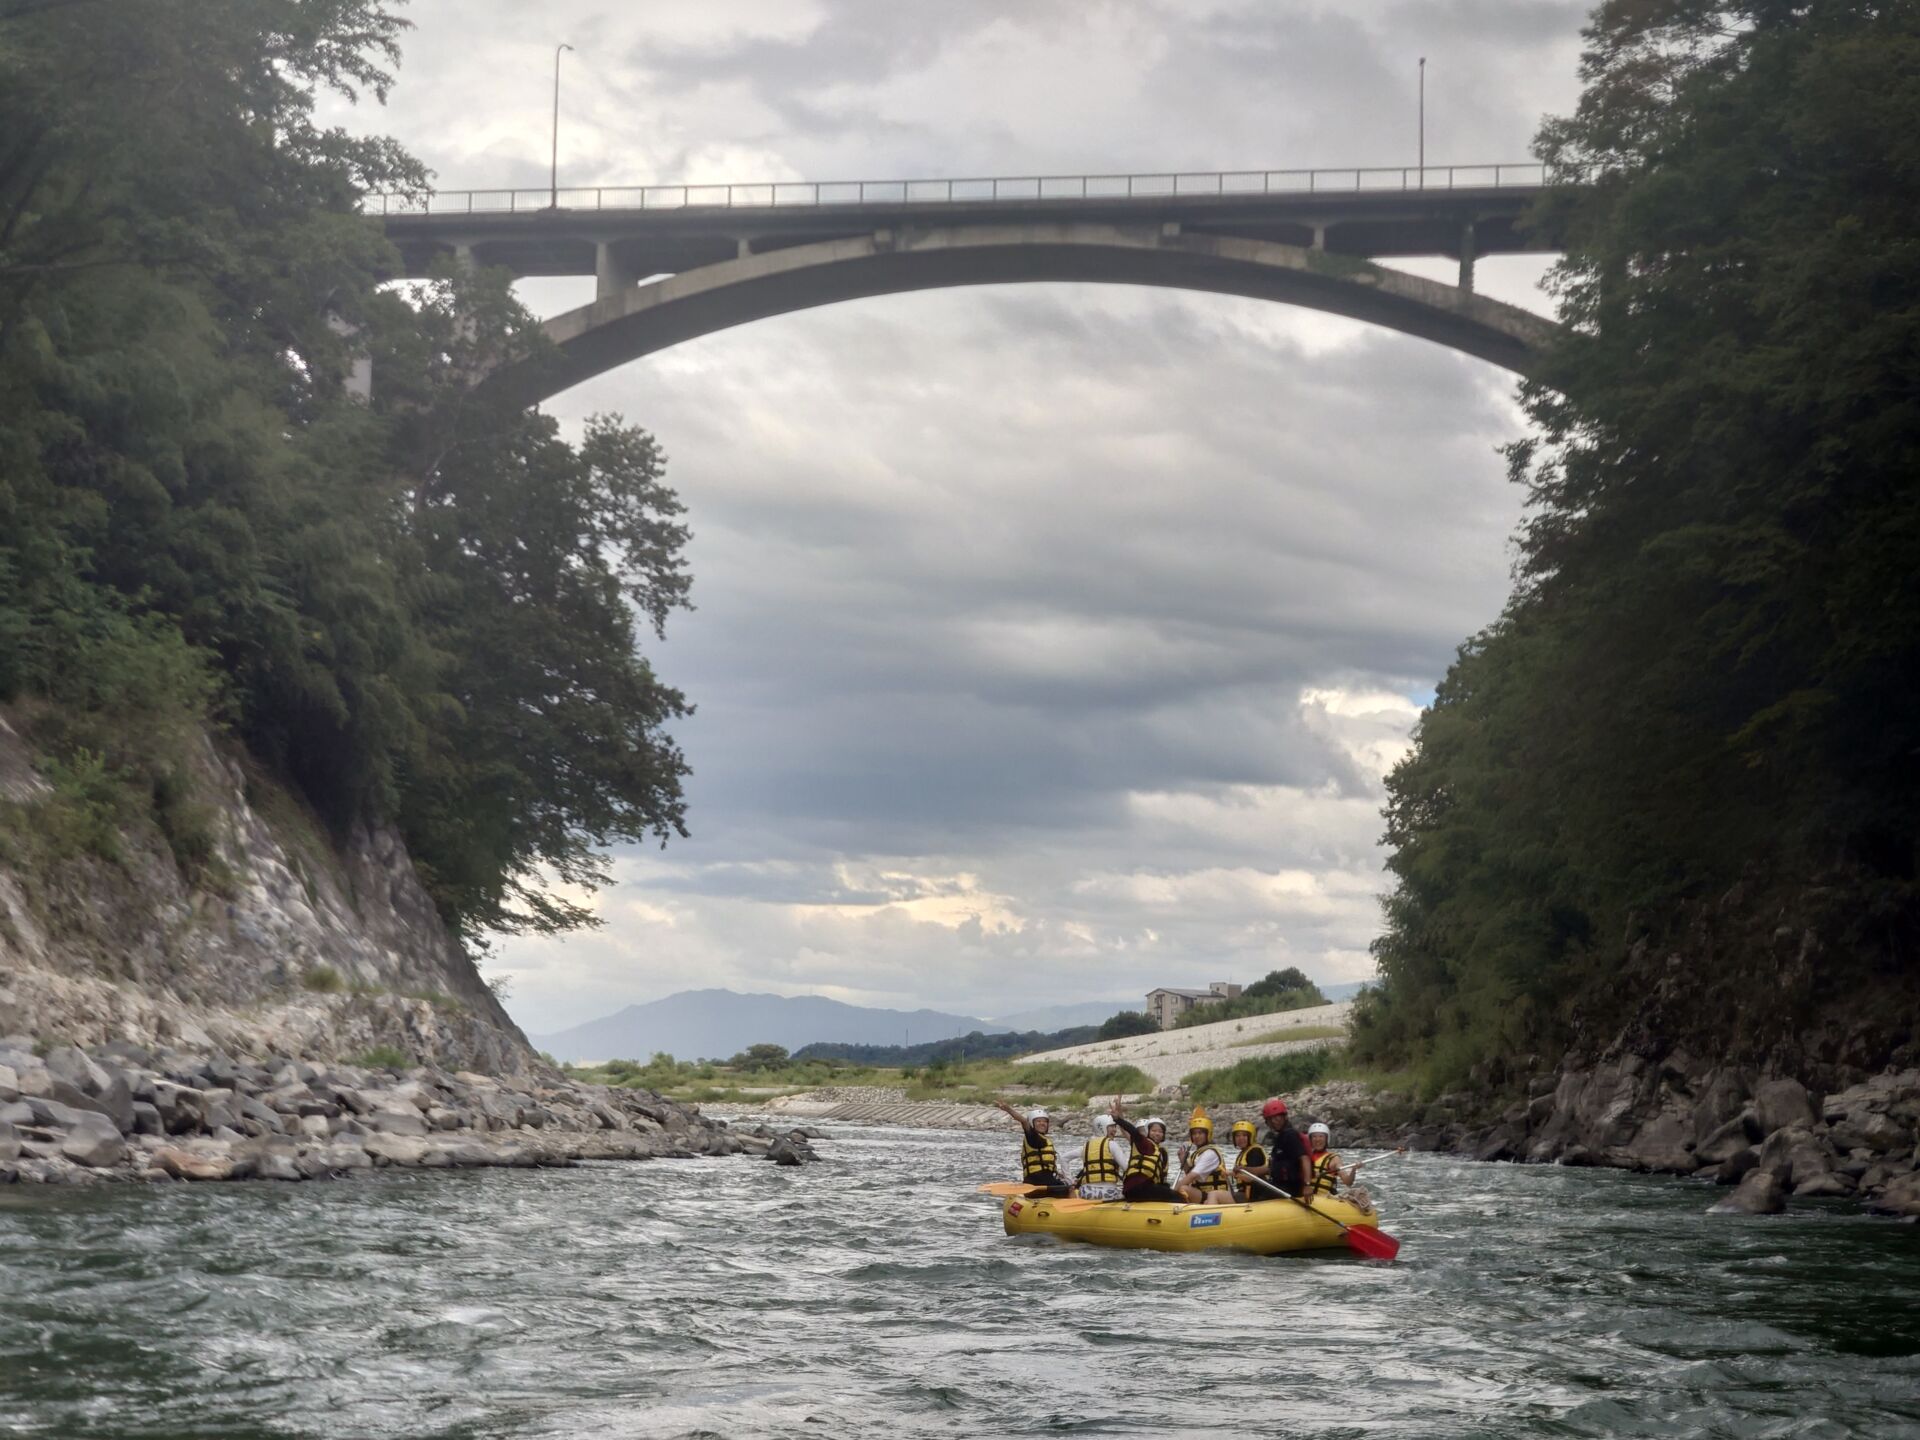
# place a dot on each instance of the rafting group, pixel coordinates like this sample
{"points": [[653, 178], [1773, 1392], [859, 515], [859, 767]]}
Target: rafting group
{"points": [[1139, 1167], [1132, 1190]]}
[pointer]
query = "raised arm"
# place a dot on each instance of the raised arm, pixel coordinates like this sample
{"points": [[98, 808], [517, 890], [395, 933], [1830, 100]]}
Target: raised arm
{"points": [[1013, 1115]]}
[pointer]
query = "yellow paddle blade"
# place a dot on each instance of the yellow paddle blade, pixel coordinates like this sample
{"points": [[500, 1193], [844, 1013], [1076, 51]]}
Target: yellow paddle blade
{"points": [[1008, 1187]]}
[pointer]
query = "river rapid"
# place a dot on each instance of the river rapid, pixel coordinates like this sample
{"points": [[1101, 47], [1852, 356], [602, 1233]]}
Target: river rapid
{"points": [[874, 1294]]}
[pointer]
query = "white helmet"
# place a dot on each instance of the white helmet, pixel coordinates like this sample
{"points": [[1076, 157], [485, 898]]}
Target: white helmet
{"points": [[1036, 1114], [1151, 1121], [1319, 1128]]}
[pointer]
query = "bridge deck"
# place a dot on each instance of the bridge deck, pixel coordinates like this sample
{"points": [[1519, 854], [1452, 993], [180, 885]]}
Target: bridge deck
{"points": [[657, 236]]}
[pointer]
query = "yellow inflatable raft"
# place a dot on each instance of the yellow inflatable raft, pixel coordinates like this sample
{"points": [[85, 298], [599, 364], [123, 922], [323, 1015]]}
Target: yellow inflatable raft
{"points": [[1273, 1227]]}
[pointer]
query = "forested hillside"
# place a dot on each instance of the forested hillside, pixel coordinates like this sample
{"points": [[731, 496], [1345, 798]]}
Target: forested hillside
{"points": [[1677, 784], [418, 609]]}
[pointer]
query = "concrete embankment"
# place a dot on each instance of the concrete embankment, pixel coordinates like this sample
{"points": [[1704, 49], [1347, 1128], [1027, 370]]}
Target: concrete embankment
{"points": [[124, 1112]]}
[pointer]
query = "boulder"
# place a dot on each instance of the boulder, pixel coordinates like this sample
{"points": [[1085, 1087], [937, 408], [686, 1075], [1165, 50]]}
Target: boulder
{"points": [[399, 1122], [1829, 1186], [1795, 1154], [1728, 1140], [1901, 1197], [146, 1119], [9, 1083], [95, 1142], [184, 1164], [1761, 1193], [396, 1149], [71, 1064], [9, 1142], [1780, 1104], [1663, 1143], [116, 1100], [1735, 1167]]}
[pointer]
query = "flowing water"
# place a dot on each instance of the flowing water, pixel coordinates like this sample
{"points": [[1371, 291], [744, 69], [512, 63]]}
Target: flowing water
{"points": [[873, 1295]]}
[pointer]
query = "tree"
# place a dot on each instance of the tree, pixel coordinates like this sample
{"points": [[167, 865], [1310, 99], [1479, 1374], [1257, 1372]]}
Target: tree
{"points": [[1706, 672], [1279, 982], [1125, 1023], [760, 1057]]}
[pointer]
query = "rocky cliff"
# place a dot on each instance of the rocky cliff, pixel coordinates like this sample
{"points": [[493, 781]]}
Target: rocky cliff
{"points": [[231, 923]]}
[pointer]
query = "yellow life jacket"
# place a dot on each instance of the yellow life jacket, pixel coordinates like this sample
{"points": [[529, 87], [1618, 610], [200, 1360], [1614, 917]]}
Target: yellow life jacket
{"points": [[1250, 1158], [1325, 1172], [1153, 1166], [1039, 1166], [1097, 1159], [1216, 1178]]}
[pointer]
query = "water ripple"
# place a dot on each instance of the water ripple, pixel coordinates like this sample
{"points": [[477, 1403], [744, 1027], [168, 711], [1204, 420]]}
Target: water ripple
{"points": [[728, 1298]]}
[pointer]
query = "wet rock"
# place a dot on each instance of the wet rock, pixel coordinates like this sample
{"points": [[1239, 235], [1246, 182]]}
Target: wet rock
{"points": [[791, 1149], [1664, 1143], [1730, 1139], [1829, 1186], [1795, 1154], [1782, 1104], [1900, 1197], [1761, 1193], [1734, 1168]]}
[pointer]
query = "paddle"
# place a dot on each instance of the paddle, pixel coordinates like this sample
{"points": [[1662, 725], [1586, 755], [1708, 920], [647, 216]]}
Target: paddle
{"points": [[1005, 1188], [1383, 1155], [1361, 1239]]}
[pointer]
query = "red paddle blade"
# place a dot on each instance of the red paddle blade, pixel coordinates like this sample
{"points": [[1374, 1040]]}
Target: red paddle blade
{"points": [[1374, 1244]]}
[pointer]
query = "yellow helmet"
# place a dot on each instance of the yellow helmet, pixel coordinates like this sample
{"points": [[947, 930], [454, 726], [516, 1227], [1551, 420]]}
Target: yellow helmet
{"points": [[1201, 1122], [1244, 1127]]}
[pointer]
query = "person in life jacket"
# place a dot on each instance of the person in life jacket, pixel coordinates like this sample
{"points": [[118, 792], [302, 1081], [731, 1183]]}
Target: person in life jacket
{"points": [[1203, 1178], [1039, 1165], [1145, 1176], [1247, 1159], [1102, 1159], [1322, 1164], [1287, 1167]]}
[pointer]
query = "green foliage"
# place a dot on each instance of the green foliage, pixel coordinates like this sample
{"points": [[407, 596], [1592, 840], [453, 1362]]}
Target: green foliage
{"points": [[1260, 1076], [1707, 674], [1126, 1023], [323, 980], [87, 809], [383, 1057], [1295, 1032], [420, 610], [972, 1046], [760, 1057]]}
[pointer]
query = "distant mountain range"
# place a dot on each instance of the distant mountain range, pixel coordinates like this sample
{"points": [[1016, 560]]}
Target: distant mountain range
{"points": [[1063, 1017], [715, 1024]]}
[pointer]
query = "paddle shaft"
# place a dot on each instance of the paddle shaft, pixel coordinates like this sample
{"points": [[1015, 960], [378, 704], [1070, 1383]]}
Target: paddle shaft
{"points": [[1296, 1200], [1383, 1155]]}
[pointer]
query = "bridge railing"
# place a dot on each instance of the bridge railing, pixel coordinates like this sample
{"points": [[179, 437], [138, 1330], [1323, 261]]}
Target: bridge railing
{"points": [[809, 194]]}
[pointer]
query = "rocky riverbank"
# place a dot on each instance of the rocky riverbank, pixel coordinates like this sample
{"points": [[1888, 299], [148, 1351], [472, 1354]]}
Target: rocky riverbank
{"points": [[124, 1112], [1770, 1138]]}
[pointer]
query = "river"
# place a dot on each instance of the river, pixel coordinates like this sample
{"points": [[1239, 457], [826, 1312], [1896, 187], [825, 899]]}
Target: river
{"points": [[874, 1295]]}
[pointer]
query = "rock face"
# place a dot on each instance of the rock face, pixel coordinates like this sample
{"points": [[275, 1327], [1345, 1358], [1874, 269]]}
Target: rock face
{"points": [[217, 1117], [283, 940], [1771, 1136]]}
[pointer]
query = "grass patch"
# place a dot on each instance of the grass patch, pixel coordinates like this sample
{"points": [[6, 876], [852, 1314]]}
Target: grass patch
{"points": [[1259, 1076], [1297, 1032], [1063, 1083], [383, 1057], [323, 980]]}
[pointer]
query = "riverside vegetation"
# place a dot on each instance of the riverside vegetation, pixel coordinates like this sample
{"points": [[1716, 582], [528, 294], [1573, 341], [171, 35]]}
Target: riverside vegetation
{"points": [[1656, 848]]}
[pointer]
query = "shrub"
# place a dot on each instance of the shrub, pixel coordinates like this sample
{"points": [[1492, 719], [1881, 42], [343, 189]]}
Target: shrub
{"points": [[1261, 1075], [1127, 1022], [383, 1057], [323, 980]]}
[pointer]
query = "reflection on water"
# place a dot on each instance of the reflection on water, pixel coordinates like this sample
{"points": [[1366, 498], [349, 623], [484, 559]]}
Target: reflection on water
{"points": [[875, 1294]]}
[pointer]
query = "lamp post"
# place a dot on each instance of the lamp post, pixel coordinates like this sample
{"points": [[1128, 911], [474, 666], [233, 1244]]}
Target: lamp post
{"points": [[553, 189], [1423, 120]]}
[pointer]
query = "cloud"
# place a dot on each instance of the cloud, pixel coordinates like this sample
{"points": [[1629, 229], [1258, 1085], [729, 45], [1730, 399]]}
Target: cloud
{"points": [[1053, 641]]}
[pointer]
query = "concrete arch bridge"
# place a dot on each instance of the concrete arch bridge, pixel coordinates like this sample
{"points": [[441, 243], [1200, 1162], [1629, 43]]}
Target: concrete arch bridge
{"points": [[675, 262]]}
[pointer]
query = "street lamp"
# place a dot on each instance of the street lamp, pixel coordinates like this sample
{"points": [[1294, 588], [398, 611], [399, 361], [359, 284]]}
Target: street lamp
{"points": [[553, 195], [1423, 120]]}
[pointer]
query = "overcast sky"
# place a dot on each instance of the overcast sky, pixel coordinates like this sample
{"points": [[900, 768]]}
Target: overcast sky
{"points": [[1052, 641]]}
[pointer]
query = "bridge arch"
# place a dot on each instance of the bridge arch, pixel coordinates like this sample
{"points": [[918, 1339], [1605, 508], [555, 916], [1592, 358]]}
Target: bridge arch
{"points": [[639, 320]]}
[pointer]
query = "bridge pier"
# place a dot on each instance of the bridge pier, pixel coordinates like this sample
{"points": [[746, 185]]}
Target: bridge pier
{"points": [[1467, 257], [611, 275]]}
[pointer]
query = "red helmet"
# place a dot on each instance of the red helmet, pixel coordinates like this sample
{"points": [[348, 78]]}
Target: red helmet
{"points": [[1273, 1109]]}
